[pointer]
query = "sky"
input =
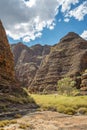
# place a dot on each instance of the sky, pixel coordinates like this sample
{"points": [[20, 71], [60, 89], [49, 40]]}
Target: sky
{"points": [[43, 21]]}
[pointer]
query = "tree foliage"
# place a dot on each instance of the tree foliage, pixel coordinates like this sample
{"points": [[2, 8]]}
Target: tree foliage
{"points": [[66, 86]]}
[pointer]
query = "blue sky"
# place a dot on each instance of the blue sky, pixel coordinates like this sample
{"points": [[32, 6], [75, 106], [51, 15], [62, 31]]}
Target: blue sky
{"points": [[42, 21]]}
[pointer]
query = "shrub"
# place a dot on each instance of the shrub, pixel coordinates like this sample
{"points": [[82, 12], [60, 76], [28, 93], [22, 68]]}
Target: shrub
{"points": [[82, 110], [66, 110], [26, 126], [4, 123], [7, 122], [61, 108], [66, 86], [69, 111]]}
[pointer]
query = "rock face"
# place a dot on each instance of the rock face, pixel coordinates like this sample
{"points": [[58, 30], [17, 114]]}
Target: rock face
{"points": [[84, 81], [67, 58], [28, 60], [8, 81], [6, 60], [40, 67]]}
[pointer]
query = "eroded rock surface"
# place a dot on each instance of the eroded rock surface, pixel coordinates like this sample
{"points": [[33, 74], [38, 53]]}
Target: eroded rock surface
{"points": [[40, 67], [67, 58], [7, 73], [28, 60], [8, 81]]}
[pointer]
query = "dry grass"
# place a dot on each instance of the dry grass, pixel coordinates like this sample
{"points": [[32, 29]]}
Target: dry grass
{"points": [[63, 104]]}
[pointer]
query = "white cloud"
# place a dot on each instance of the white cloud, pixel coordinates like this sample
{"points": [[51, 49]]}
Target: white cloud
{"points": [[30, 3], [84, 34], [66, 4], [66, 20], [79, 12], [51, 24], [27, 19], [31, 37]]}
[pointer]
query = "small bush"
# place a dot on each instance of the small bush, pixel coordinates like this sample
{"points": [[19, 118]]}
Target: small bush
{"points": [[82, 110], [66, 110], [4, 123], [70, 111], [7, 122], [24, 126], [61, 108]]}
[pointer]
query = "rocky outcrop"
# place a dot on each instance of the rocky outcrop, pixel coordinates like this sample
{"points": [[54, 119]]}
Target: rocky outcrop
{"points": [[8, 82], [7, 73], [12, 95], [27, 61], [67, 58], [84, 81]]}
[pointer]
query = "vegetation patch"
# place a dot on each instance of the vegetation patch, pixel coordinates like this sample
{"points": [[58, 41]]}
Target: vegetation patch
{"points": [[82, 110], [24, 126], [7, 122], [66, 86], [63, 104]]}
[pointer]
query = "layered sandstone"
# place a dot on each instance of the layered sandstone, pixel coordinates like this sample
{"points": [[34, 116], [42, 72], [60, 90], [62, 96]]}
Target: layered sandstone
{"points": [[27, 61], [67, 58], [40, 67], [7, 73]]}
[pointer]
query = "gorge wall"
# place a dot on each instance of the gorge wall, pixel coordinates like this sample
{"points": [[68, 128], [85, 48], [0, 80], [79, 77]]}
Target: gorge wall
{"points": [[40, 67], [8, 81]]}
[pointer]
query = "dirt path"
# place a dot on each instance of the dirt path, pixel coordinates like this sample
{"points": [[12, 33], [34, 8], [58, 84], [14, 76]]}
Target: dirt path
{"points": [[48, 120]]}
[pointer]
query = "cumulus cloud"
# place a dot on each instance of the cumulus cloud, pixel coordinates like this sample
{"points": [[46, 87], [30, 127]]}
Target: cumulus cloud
{"points": [[79, 12], [26, 19], [84, 34], [66, 4], [30, 3], [66, 20]]}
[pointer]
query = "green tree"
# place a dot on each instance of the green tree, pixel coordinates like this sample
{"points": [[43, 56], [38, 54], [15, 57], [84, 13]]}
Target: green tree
{"points": [[66, 86]]}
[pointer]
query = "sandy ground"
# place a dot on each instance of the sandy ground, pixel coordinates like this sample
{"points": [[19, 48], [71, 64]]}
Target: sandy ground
{"points": [[47, 120]]}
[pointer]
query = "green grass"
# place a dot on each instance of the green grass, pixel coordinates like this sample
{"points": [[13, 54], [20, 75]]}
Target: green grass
{"points": [[64, 104]]}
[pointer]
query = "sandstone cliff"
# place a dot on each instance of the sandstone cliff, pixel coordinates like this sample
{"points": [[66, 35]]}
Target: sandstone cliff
{"points": [[40, 67], [67, 58], [12, 95], [8, 82], [27, 61], [7, 73]]}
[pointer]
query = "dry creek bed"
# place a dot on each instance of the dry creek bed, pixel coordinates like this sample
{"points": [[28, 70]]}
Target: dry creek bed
{"points": [[48, 120]]}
